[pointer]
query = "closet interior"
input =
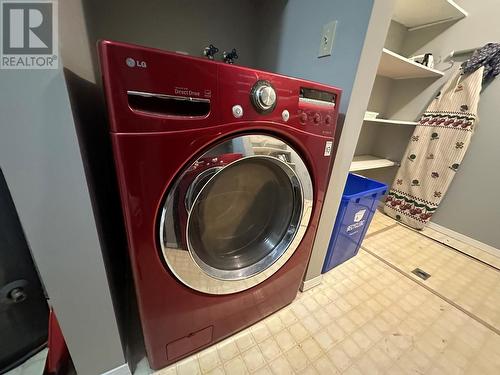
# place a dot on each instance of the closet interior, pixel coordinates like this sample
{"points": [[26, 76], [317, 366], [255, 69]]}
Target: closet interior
{"points": [[399, 82]]}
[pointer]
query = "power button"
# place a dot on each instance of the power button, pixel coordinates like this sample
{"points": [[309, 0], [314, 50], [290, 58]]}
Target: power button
{"points": [[285, 115], [237, 111]]}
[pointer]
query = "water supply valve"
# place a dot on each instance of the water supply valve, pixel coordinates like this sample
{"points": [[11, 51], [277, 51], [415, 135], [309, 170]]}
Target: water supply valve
{"points": [[210, 51], [229, 57]]}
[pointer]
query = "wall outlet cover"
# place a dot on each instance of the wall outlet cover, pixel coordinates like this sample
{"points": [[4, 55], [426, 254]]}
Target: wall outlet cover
{"points": [[327, 37]]}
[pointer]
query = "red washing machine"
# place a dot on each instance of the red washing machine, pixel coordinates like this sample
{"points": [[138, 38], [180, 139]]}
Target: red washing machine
{"points": [[222, 172]]}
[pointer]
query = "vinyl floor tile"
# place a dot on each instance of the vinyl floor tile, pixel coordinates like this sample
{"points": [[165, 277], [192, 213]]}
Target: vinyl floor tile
{"points": [[371, 315]]}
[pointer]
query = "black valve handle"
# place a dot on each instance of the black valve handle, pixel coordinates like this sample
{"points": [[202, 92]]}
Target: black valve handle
{"points": [[210, 51], [229, 57]]}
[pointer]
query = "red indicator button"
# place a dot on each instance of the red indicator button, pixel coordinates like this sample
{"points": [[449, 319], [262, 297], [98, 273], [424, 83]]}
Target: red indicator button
{"points": [[303, 118], [317, 118]]}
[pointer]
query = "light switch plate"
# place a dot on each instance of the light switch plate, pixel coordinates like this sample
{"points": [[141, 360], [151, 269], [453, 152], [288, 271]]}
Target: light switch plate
{"points": [[327, 37]]}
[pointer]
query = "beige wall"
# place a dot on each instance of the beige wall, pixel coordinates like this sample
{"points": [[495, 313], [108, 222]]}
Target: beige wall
{"points": [[74, 43]]}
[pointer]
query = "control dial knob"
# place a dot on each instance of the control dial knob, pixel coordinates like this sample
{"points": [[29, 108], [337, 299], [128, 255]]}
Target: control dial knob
{"points": [[263, 97]]}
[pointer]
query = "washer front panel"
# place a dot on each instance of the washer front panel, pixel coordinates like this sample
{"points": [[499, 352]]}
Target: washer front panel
{"points": [[236, 215]]}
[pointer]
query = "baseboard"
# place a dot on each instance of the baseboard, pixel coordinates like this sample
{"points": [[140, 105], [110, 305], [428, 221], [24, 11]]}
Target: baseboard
{"points": [[457, 236], [308, 284], [120, 370], [466, 239]]}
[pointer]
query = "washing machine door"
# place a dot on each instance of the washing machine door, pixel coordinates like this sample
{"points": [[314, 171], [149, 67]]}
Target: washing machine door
{"points": [[236, 215]]}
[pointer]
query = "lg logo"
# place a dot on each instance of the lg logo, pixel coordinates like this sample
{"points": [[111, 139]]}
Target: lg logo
{"points": [[132, 63], [29, 34]]}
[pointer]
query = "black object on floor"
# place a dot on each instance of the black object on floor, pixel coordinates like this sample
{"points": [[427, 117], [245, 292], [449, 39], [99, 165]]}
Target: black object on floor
{"points": [[420, 273], [24, 313]]}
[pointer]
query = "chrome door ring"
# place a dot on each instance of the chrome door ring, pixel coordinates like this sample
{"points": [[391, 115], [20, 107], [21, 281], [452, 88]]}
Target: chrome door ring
{"points": [[173, 229]]}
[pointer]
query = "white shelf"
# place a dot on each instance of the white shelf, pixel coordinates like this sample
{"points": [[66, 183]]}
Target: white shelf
{"points": [[396, 66], [364, 162], [390, 122], [416, 14]]}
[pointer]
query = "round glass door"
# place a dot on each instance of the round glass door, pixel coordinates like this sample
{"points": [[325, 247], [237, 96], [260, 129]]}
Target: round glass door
{"points": [[236, 215], [244, 217]]}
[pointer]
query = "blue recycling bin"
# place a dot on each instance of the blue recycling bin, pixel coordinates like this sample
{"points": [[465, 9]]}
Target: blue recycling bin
{"points": [[359, 202]]}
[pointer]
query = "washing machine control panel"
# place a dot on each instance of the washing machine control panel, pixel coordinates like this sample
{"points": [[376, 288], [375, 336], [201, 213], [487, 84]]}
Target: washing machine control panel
{"points": [[154, 90], [250, 95], [316, 107]]}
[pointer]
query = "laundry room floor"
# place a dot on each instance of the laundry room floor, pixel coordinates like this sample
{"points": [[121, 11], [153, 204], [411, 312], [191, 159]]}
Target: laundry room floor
{"points": [[372, 315]]}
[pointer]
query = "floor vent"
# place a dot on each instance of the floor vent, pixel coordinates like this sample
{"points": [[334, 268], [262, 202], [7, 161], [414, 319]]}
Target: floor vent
{"points": [[420, 273]]}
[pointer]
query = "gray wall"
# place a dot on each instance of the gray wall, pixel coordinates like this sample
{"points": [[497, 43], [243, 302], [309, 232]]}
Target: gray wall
{"points": [[43, 168], [299, 24], [177, 25], [378, 97], [471, 206], [281, 36], [379, 14], [396, 36]]}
